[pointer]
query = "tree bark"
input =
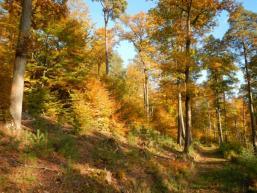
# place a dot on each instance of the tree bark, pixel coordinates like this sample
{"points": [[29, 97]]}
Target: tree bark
{"points": [[146, 93], [209, 118], [187, 83], [225, 116], [244, 125], [225, 110], [219, 126], [20, 63], [188, 114], [218, 111], [181, 124], [179, 135], [250, 98]]}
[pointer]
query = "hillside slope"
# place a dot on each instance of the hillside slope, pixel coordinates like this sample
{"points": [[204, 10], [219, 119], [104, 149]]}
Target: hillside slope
{"points": [[59, 161]]}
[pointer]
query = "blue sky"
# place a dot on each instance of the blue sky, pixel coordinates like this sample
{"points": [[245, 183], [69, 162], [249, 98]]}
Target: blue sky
{"points": [[126, 49]]}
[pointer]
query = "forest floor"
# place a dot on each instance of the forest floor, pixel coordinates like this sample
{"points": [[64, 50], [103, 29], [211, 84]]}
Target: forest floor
{"points": [[213, 173], [103, 162]]}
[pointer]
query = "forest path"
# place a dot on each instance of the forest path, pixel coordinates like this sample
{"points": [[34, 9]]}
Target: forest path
{"points": [[209, 157], [214, 174]]}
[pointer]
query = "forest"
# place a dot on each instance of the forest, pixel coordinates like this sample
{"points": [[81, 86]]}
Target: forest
{"points": [[76, 116]]}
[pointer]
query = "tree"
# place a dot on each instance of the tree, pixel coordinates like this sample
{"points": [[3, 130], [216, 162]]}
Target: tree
{"points": [[23, 47], [242, 38], [20, 63], [98, 45], [112, 9], [253, 71], [116, 65], [171, 78], [221, 74], [203, 113], [62, 58], [139, 33], [188, 19], [8, 35]]}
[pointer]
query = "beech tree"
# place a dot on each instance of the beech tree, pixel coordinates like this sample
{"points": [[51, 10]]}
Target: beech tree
{"points": [[112, 9], [23, 46], [98, 45], [242, 38], [253, 71], [139, 32], [173, 76], [188, 18], [20, 63], [221, 75]]}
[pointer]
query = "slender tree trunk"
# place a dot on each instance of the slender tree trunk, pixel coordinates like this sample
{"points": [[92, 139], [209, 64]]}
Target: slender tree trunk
{"points": [[188, 135], [218, 113], [146, 93], [209, 118], [181, 125], [146, 87], [106, 43], [20, 63], [225, 116], [252, 113], [181, 116], [179, 135], [250, 98], [244, 126], [219, 126], [225, 110], [188, 114]]}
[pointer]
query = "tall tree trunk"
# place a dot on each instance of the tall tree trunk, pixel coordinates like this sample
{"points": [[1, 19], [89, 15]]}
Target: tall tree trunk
{"points": [[225, 116], [188, 135], [181, 115], [225, 110], [218, 111], [250, 98], [209, 118], [244, 126], [20, 63], [181, 124], [219, 126], [188, 114], [106, 43], [146, 93], [179, 134]]}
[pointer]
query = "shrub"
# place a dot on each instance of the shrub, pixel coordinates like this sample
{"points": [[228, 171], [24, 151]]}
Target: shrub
{"points": [[249, 161], [66, 145], [108, 152], [151, 136], [230, 150], [37, 143], [42, 101], [93, 108], [83, 118]]}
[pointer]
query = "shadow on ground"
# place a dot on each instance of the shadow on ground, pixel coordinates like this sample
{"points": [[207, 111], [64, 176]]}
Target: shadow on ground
{"points": [[216, 174], [101, 163]]}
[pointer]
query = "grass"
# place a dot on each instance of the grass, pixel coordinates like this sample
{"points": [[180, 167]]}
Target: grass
{"points": [[226, 179], [147, 162], [65, 145], [108, 152]]}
